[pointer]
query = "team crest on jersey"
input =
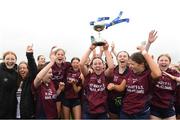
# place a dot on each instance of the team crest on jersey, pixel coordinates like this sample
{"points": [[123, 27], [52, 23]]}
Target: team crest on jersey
{"points": [[134, 80], [99, 80], [115, 78]]}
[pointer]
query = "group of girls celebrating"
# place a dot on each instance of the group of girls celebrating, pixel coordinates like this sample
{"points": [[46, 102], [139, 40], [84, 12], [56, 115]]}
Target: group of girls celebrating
{"points": [[90, 88]]}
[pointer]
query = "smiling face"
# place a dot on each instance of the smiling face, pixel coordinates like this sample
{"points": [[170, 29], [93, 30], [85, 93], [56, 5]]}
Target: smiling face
{"points": [[137, 63], [9, 59], [75, 64], [135, 67], [41, 60], [60, 54], [97, 65], [23, 70], [123, 58], [164, 61]]}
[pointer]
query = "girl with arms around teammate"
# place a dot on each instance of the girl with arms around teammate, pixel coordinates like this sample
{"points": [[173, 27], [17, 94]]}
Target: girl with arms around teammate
{"points": [[46, 94]]}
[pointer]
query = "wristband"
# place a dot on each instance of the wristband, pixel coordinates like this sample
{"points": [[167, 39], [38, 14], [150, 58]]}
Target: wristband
{"points": [[144, 52]]}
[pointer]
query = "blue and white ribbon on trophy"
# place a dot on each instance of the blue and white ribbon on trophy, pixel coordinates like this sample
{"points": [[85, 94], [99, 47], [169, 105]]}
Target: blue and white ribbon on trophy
{"points": [[99, 20], [117, 20], [114, 22]]}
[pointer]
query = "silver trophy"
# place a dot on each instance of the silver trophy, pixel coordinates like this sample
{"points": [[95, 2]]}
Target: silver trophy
{"points": [[99, 27]]}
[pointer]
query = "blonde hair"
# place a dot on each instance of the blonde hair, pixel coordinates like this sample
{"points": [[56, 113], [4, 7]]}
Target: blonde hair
{"points": [[59, 49]]}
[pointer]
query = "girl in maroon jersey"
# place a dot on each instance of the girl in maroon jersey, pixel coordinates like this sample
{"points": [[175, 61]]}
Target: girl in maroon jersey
{"points": [[138, 85], [177, 103], [73, 85], [117, 84], [45, 92], [59, 71], [95, 103], [164, 91]]}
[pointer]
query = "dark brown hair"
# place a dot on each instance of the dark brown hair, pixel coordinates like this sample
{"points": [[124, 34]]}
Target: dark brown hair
{"points": [[75, 58], [96, 58], [139, 58], [39, 57]]}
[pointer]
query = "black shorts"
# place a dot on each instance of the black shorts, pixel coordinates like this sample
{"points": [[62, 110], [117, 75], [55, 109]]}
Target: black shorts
{"points": [[144, 114], [60, 97], [70, 103], [177, 110], [162, 112], [114, 106]]}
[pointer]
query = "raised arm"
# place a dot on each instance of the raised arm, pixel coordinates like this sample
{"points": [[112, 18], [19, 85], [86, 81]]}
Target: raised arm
{"points": [[155, 70], [31, 61], [44, 71], [83, 60], [113, 49], [110, 63], [152, 37], [95, 54], [101, 51]]}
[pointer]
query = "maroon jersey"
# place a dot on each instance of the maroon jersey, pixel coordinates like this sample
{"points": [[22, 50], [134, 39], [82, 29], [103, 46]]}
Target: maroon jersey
{"points": [[69, 91], [117, 79], [45, 101], [178, 96], [59, 72], [164, 90], [96, 93], [137, 94]]}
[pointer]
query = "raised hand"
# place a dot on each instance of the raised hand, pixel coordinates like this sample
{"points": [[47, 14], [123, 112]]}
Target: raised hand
{"points": [[29, 48], [141, 48], [106, 46], [52, 54], [93, 46], [152, 36], [101, 49], [112, 46]]}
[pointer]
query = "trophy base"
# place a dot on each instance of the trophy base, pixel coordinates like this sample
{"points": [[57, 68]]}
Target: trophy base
{"points": [[100, 43]]}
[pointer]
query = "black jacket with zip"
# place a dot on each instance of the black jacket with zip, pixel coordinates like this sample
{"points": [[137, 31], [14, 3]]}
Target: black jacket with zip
{"points": [[8, 88]]}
